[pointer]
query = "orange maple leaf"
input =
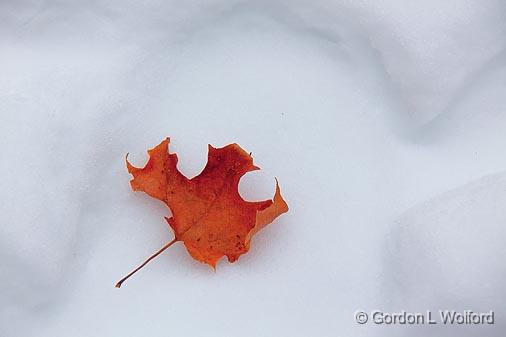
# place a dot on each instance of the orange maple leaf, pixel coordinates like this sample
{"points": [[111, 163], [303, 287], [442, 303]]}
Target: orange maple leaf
{"points": [[208, 214]]}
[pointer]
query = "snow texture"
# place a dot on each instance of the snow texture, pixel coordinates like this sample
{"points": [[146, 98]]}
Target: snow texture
{"points": [[383, 120]]}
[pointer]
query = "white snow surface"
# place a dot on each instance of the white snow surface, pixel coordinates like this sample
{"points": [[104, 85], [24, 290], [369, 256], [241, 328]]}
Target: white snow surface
{"points": [[384, 121]]}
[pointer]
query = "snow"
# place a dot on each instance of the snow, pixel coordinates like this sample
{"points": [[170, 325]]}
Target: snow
{"points": [[383, 121]]}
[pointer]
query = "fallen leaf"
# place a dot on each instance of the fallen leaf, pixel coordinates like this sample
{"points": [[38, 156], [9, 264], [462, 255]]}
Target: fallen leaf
{"points": [[208, 214]]}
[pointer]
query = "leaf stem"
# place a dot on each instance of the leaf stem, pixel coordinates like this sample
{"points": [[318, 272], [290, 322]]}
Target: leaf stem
{"points": [[118, 285]]}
